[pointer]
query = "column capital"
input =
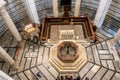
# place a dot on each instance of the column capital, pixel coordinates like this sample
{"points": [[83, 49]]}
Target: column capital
{"points": [[2, 5]]}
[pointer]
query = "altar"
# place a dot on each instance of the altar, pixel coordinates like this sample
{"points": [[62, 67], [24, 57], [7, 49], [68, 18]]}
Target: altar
{"points": [[54, 29], [66, 32]]}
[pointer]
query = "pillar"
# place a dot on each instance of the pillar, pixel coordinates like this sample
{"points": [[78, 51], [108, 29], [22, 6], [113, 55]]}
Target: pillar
{"points": [[77, 8], [4, 76], [55, 8], [101, 12], [116, 38], [32, 11], [4, 55], [9, 21]]}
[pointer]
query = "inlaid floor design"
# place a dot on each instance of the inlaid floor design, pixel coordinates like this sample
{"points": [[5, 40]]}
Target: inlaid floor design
{"points": [[57, 29], [102, 62], [101, 65]]}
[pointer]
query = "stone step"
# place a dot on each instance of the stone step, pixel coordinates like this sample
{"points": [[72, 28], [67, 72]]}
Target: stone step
{"points": [[82, 41], [68, 64], [74, 68], [65, 64], [68, 69]]}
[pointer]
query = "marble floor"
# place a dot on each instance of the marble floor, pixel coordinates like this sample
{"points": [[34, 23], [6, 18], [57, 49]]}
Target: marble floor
{"points": [[102, 62], [77, 30]]}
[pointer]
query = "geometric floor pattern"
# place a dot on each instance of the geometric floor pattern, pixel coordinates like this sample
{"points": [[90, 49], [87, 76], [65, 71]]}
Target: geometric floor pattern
{"points": [[30, 54], [102, 62], [101, 65]]}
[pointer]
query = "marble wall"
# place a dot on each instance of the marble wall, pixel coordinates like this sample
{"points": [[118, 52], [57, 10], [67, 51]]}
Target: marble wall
{"points": [[89, 8], [112, 20], [114, 10], [17, 11]]}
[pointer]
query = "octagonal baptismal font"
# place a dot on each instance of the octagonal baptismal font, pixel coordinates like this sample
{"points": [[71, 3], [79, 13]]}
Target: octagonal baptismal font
{"points": [[67, 51], [67, 56]]}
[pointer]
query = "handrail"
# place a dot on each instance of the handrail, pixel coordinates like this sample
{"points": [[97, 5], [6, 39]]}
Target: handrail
{"points": [[88, 29]]}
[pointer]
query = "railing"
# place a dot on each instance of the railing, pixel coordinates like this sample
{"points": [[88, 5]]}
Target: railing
{"points": [[85, 21]]}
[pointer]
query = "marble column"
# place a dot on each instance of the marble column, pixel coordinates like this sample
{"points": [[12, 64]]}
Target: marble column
{"points": [[77, 8], [9, 22], [32, 11], [116, 38], [102, 10], [55, 8], [4, 55], [4, 76]]}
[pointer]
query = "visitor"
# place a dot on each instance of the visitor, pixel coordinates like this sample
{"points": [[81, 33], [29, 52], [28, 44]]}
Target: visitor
{"points": [[78, 77], [58, 78], [38, 74], [75, 79], [71, 78], [66, 77], [61, 77], [86, 78]]}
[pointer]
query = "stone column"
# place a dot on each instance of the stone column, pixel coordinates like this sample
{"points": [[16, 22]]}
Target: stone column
{"points": [[9, 21], [4, 55], [101, 12], [32, 11], [77, 8], [55, 8], [116, 38], [4, 76]]}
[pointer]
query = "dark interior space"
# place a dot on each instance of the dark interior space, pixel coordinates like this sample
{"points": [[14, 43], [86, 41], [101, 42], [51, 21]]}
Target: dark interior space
{"points": [[65, 2]]}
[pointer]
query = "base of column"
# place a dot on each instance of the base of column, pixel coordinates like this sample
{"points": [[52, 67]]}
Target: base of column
{"points": [[20, 44], [15, 66], [113, 42]]}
